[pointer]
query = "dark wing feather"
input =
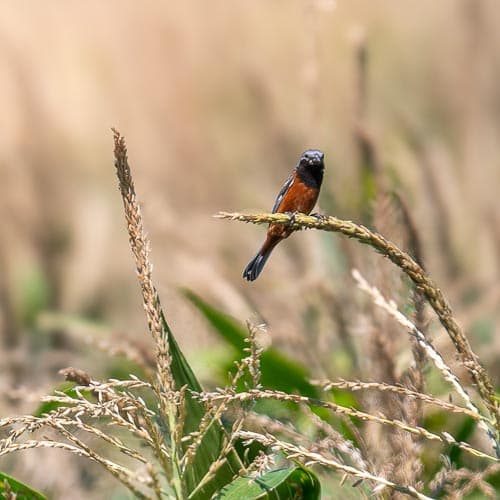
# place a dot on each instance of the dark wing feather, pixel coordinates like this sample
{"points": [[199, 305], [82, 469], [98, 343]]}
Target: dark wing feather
{"points": [[286, 186]]}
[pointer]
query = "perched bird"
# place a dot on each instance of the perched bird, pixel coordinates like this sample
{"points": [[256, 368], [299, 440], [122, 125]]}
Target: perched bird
{"points": [[298, 194]]}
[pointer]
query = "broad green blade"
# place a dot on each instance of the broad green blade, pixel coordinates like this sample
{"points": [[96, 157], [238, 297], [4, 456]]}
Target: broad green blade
{"points": [[277, 371], [12, 488], [211, 445], [289, 483]]}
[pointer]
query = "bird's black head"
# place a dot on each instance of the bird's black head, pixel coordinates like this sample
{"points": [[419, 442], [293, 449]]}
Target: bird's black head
{"points": [[310, 167], [312, 158]]}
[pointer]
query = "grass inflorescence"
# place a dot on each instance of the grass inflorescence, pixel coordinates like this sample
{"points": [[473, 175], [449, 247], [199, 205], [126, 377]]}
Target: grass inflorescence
{"points": [[413, 270], [165, 436]]}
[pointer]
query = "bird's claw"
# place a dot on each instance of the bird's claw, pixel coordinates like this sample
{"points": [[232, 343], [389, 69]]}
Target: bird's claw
{"points": [[318, 216], [292, 215]]}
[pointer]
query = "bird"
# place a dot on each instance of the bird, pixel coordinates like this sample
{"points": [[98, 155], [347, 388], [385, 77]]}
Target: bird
{"points": [[298, 194]]}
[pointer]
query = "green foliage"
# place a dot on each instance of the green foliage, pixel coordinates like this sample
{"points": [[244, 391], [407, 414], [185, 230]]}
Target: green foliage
{"points": [[12, 488], [483, 330], [212, 443], [121, 368], [277, 371], [463, 433], [34, 294], [291, 482], [368, 189]]}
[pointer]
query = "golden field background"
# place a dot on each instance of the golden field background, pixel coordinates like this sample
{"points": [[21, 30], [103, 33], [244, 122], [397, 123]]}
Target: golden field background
{"points": [[217, 100]]}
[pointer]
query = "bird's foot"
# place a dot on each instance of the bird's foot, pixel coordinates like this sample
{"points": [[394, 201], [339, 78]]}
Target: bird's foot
{"points": [[292, 215], [319, 216]]}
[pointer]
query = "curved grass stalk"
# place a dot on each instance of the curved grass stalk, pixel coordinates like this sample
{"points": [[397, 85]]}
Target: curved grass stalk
{"points": [[422, 282]]}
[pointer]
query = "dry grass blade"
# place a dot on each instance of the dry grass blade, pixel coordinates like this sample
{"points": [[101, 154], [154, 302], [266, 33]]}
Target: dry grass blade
{"points": [[296, 452], [391, 309], [121, 473], [413, 270], [458, 483], [335, 441], [253, 360], [444, 437], [120, 408], [140, 249], [414, 243], [358, 385]]}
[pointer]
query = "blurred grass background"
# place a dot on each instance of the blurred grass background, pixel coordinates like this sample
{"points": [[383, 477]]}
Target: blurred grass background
{"points": [[217, 100]]}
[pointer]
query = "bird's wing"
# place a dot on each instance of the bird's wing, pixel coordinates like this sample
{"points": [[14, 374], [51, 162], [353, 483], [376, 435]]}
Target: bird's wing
{"points": [[286, 186]]}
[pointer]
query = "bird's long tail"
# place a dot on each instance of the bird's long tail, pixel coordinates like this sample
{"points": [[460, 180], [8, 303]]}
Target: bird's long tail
{"points": [[255, 266]]}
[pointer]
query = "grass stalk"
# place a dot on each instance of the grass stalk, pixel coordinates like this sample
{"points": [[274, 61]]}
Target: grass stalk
{"points": [[413, 270]]}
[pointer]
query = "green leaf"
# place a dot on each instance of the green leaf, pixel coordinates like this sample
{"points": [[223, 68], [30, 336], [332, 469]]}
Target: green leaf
{"points": [[292, 482], [212, 443], [12, 488], [368, 189], [278, 371], [35, 294], [463, 433]]}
